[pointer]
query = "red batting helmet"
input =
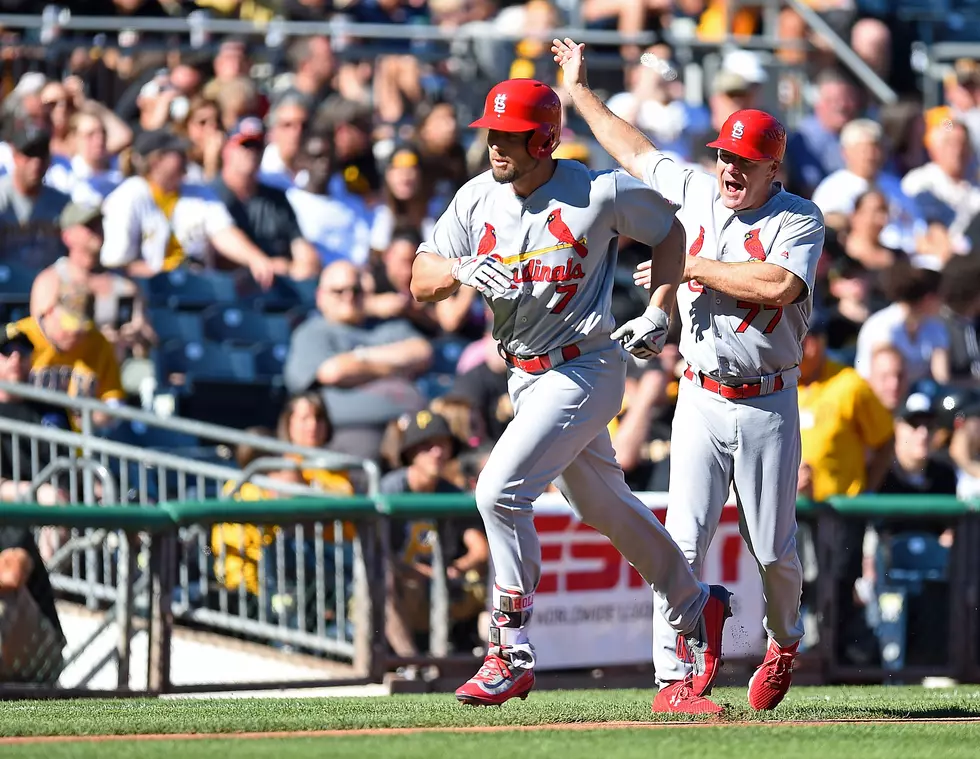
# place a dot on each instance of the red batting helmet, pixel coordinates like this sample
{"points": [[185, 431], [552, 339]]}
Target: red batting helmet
{"points": [[525, 105], [752, 134]]}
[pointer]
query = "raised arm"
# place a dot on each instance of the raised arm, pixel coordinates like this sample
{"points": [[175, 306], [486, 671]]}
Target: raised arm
{"points": [[624, 142]]}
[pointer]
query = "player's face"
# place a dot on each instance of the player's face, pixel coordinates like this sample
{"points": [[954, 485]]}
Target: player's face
{"points": [[743, 183], [509, 159]]}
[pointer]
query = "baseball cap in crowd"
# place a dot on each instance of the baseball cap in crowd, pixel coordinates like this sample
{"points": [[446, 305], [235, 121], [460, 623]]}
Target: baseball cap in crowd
{"points": [[917, 409], [958, 403], [730, 83], [424, 427], [159, 141], [403, 158], [249, 130], [13, 340], [76, 304], [79, 214], [746, 64], [29, 139]]}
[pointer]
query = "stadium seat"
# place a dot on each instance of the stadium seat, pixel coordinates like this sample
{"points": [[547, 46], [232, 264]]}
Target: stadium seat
{"points": [[434, 384], [184, 326], [286, 294], [183, 289], [445, 354], [244, 326], [206, 360], [270, 359], [137, 433], [15, 282], [14, 310]]}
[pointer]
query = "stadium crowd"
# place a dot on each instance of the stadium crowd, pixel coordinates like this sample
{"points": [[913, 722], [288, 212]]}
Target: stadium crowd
{"points": [[254, 222]]}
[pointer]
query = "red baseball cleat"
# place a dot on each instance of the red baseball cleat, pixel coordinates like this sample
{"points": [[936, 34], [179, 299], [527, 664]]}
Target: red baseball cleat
{"points": [[772, 679], [680, 698], [704, 643], [496, 682]]}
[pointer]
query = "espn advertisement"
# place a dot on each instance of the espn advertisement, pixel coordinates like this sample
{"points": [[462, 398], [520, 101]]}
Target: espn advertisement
{"points": [[593, 609]]}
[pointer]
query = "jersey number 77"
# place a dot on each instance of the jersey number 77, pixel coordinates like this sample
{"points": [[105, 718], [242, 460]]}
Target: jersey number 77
{"points": [[753, 311]]}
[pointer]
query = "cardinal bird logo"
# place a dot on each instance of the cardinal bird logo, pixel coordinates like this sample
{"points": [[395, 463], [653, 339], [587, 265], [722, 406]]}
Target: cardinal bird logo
{"points": [[559, 229], [697, 244], [489, 240], [753, 245]]}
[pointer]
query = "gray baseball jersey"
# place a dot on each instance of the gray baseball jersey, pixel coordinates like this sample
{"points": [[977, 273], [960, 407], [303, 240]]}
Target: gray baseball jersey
{"points": [[755, 443], [722, 335], [560, 242], [561, 246]]}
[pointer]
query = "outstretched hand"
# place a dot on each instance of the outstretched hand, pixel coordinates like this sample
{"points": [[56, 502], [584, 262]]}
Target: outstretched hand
{"points": [[571, 57]]}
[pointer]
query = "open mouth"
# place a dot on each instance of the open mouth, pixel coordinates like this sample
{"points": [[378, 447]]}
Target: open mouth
{"points": [[732, 186]]}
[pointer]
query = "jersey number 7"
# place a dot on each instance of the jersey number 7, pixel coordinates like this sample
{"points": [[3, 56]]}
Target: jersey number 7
{"points": [[560, 300], [753, 311]]}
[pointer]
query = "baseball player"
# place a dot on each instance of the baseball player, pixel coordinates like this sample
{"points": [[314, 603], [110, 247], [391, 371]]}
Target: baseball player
{"points": [[744, 304], [538, 238]]}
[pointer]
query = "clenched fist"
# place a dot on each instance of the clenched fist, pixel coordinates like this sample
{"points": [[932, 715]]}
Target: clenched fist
{"points": [[485, 273], [644, 336]]}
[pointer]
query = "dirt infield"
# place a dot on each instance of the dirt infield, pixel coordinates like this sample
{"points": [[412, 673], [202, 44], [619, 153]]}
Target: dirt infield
{"points": [[483, 729]]}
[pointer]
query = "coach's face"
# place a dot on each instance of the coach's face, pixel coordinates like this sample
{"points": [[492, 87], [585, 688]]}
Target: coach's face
{"points": [[509, 159], [743, 183]]}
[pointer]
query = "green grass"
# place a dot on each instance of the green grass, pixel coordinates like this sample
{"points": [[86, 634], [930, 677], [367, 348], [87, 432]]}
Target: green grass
{"points": [[130, 717], [756, 742]]}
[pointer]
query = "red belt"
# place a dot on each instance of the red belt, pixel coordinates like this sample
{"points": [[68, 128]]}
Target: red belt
{"points": [[536, 364], [732, 392]]}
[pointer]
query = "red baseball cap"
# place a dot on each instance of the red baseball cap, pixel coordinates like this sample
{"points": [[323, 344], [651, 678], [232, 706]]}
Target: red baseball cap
{"points": [[755, 135]]}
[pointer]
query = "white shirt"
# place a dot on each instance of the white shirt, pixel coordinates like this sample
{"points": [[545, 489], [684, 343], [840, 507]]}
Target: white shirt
{"points": [[273, 171], [962, 196], [84, 184], [339, 228], [136, 227], [839, 191], [887, 327]]}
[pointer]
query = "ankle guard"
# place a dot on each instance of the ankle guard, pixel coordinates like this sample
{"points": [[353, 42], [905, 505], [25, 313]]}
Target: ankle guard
{"points": [[510, 616]]}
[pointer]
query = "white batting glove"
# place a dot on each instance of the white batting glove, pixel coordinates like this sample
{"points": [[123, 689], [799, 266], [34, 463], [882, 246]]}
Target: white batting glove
{"points": [[485, 273], [644, 336]]}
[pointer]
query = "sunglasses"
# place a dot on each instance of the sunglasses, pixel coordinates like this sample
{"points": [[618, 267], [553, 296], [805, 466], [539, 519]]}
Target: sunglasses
{"points": [[354, 290]]}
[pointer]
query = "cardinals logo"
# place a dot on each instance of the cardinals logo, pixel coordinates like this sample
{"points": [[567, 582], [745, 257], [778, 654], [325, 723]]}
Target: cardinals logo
{"points": [[753, 245], [489, 240], [560, 231], [697, 244]]}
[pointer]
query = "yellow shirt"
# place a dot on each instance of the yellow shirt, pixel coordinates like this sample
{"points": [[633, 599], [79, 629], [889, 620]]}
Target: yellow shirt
{"points": [[167, 202], [243, 543], [88, 370], [841, 419], [712, 25]]}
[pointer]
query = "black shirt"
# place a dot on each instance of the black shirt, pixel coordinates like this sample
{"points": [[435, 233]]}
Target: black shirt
{"points": [[30, 413], [38, 584], [487, 391], [267, 218], [938, 478]]}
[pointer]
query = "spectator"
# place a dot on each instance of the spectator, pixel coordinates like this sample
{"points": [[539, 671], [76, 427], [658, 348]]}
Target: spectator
{"points": [[89, 176], [231, 64], [441, 154], [864, 156], [871, 39], [156, 222], [914, 469], [404, 203], [730, 92], [338, 227], [288, 122], [29, 209], [961, 314], [485, 387], [16, 468], [640, 435], [427, 446], [964, 446], [846, 432], [945, 179], [60, 107], [236, 100], [203, 131], [70, 354], [814, 150], [850, 286], [654, 103], [119, 310], [304, 422], [911, 324], [363, 368], [862, 242], [356, 170], [30, 651], [887, 376], [390, 294], [263, 213], [312, 61]]}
